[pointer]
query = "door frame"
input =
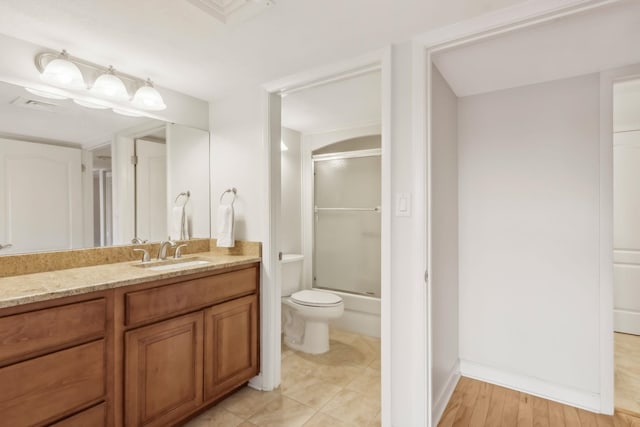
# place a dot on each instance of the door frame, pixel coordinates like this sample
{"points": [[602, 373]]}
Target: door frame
{"points": [[271, 286], [503, 22]]}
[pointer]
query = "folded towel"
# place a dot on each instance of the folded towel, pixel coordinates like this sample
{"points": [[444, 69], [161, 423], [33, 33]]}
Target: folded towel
{"points": [[179, 223], [225, 227]]}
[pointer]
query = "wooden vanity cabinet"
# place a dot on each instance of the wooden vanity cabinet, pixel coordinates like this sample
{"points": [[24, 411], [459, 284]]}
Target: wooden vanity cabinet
{"points": [[150, 354], [188, 343], [56, 362]]}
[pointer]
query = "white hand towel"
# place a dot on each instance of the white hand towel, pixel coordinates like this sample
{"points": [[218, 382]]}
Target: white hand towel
{"points": [[179, 223], [225, 227]]}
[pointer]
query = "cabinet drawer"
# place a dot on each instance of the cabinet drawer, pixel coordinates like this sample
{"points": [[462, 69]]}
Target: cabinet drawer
{"points": [[52, 386], [164, 301], [36, 332], [92, 417]]}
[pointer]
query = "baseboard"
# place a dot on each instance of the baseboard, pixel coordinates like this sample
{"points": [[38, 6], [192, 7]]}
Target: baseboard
{"points": [[627, 322], [530, 385], [444, 396]]}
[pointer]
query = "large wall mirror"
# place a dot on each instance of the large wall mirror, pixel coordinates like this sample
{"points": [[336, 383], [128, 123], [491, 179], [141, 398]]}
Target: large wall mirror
{"points": [[74, 177]]}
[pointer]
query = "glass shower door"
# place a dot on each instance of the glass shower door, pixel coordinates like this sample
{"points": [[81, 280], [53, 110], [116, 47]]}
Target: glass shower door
{"points": [[347, 223]]}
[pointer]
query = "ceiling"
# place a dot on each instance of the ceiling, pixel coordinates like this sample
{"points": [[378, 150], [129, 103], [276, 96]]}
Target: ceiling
{"points": [[590, 42], [181, 47], [345, 104]]}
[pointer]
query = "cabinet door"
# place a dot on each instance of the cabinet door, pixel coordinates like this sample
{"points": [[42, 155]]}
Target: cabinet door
{"points": [[163, 371], [231, 345]]}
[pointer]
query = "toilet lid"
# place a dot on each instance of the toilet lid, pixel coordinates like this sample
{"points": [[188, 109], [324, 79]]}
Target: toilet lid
{"points": [[316, 298]]}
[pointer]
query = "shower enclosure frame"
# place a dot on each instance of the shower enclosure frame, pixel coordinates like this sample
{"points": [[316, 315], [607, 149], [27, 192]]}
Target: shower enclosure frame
{"points": [[375, 152]]}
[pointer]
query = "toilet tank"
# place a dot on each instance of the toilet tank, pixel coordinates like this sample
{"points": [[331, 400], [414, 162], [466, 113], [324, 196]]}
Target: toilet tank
{"points": [[291, 273]]}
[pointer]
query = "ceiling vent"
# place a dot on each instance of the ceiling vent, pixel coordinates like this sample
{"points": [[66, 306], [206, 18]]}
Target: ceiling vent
{"points": [[232, 11], [34, 104]]}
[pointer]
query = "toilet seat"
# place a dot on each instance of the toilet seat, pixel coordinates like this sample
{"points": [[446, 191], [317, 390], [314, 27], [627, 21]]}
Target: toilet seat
{"points": [[316, 298]]}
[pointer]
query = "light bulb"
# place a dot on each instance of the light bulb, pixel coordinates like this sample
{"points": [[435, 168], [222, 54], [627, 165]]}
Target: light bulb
{"points": [[62, 72], [110, 86], [148, 98]]}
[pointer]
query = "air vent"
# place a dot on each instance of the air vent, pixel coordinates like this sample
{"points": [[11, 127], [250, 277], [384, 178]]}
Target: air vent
{"points": [[232, 11], [34, 104]]}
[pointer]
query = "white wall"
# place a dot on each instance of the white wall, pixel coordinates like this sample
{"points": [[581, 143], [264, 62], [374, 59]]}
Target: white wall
{"points": [[444, 243], [291, 193], [188, 170], [237, 159], [529, 239]]}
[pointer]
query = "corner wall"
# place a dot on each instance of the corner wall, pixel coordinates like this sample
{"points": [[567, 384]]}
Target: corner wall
{"points": [[529, 239], [445, 368], [291, 193]]}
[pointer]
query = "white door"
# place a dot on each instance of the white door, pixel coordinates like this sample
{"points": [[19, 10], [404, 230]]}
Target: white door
{"points": [[151, 190], [40, 197], [626, 231]]}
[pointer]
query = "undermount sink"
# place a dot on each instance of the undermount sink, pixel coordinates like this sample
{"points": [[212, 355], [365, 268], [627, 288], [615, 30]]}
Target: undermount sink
{"points": [[172, 264]]}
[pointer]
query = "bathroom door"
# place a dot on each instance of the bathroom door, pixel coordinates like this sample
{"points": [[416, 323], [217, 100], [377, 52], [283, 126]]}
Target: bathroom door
{"points": [[34, 180], [151, 190]]}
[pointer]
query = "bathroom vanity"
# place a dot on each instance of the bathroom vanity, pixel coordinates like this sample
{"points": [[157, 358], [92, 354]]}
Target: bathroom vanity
{"points": [[116, 344]]}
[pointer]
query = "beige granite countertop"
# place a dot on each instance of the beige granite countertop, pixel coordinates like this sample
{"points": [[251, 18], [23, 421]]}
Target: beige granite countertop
{"points": [[29, 288]]}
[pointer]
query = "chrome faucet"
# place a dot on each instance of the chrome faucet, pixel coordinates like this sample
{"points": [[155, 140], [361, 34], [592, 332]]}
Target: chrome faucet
{"points": [[162, 253]]}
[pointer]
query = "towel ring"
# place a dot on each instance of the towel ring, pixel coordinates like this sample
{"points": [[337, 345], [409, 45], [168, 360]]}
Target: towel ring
{"points": [[229, 190], [186, 194]]}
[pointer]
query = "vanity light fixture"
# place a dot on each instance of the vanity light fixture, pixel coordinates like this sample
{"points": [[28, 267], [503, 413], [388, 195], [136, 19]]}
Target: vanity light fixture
{"points": [[110, 89], [110, 86], [61, 71]]}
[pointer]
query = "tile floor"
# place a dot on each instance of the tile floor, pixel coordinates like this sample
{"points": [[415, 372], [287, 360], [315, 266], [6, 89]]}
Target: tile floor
{"points": [[338, 388]]}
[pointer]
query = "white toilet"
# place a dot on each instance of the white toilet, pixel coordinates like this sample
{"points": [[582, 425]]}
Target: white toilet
{"points": [[306, 313]]}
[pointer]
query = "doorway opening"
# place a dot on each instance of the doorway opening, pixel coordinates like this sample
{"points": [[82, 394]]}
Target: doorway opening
{"points": [[626, 244], [328, 243]]}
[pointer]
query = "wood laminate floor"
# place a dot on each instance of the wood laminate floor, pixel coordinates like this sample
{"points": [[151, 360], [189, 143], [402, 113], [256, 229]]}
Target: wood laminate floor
{"points": [[627, 380], [476, 403]]}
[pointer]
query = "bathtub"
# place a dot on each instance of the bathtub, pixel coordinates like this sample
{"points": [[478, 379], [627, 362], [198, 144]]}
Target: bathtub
{"points": [[361, 313]]}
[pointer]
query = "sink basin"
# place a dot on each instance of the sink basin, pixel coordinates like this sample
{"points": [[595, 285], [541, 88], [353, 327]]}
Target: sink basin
{"points": [[172, 264]]}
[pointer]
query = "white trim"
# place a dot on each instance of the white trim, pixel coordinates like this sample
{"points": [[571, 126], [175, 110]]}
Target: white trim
{"points": [[421, 149], [347, 155], [503, 21], [534, 386], [270, 304], [440, 403], [385, 239], [626, 321], [331, 72]]}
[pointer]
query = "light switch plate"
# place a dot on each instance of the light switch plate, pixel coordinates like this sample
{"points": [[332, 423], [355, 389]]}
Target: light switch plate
{"points": [[403, 204]]}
